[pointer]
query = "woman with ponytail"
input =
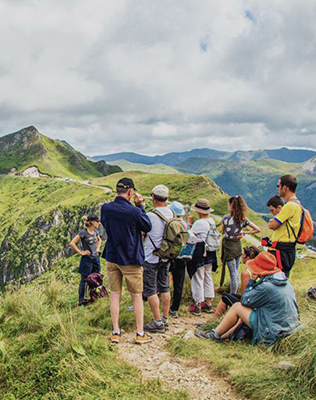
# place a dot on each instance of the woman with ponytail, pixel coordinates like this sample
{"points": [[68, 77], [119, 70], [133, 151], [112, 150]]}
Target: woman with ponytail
{"points": [[90, 257], [232, 225]]}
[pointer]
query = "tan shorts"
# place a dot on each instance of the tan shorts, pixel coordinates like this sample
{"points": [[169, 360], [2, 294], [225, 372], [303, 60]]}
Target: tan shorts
{"points": [[133, 275]]}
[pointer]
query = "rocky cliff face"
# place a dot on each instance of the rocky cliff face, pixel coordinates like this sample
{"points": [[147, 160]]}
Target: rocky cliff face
{"points": [[46, 241], [310, 166]]}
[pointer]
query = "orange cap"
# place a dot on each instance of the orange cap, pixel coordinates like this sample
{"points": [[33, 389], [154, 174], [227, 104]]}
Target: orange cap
{"points": [[264, 264]]}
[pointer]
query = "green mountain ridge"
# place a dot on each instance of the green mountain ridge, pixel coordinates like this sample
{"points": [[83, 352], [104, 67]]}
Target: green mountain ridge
{"points": [[29, 148], [255, 180]]}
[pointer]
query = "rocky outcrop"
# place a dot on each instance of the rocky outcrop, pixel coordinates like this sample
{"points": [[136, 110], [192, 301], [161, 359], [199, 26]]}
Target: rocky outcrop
{"points": [[27, 256], [310, 166]]}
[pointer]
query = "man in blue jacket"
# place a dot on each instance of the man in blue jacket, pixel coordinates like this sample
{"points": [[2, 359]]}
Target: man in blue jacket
{"points": [[124, 253]]}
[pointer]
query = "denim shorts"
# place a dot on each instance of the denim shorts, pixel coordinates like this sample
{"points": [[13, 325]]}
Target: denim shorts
{"points": [[252, 318]]}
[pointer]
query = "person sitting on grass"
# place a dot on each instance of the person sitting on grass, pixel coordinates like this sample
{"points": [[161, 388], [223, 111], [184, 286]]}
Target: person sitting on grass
{"points": [[228, 299], [268, 305], [90, 258]]}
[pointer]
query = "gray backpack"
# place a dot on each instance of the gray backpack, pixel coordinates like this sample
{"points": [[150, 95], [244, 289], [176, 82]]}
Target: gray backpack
{"points": [[174, 238], [213, 239]]}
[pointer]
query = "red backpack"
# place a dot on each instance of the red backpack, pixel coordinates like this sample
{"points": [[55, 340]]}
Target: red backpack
{"points": [[306, 230]]}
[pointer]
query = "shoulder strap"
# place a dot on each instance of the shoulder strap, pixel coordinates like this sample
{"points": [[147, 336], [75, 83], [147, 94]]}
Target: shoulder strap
{"points": [[156, 248], [162, 216], [301, 226]]}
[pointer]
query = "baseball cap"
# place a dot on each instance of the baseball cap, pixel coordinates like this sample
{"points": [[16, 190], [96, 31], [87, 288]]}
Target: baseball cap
{"points": [[125, 183], [161, 191], [93, 217]]}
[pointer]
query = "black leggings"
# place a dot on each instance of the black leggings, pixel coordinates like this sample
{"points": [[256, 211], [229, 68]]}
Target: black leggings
{"points": [[178, 274], [229, 299]]}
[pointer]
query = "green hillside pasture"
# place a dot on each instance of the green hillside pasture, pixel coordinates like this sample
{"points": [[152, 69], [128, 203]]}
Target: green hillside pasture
{"points": [[61, 160], [22, 200], [153, 169], [184, 188], [51, 349]]}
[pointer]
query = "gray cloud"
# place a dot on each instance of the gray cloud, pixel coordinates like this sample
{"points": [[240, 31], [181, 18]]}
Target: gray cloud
{"points": [[160, 76]]}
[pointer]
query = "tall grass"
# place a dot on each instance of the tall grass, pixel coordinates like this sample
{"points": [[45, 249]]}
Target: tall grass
{"points": [[51, 349]]}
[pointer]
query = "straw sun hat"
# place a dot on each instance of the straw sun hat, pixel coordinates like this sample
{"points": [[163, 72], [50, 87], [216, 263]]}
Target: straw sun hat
{"points": [[202, 206]]}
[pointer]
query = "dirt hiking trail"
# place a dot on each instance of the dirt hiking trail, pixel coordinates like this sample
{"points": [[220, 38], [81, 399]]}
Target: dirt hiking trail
{"points": [[155, 362]]}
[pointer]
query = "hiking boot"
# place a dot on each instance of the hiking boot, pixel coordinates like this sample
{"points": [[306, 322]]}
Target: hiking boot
{"points": [[115, 337], [206, 308], [155, 327], [212, 334], [174, 314], [142, 339], [84, 302], [194, 309]]}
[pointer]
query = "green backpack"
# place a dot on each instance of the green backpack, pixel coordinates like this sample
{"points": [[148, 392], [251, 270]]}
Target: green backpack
{"points": [[174, 237]]}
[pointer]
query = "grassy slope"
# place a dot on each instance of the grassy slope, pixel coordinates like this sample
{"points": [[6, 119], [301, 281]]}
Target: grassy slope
{"points": [[22, 200], [52, 157], [153, 169], [184, 188], [50, 349], [61, 160]]}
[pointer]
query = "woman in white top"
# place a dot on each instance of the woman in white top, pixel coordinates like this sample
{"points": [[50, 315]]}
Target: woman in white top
{"points": [[200, 267]]}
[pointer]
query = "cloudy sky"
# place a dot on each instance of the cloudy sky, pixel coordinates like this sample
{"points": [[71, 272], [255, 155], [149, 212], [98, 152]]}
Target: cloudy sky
{"points": [[155, 76]]}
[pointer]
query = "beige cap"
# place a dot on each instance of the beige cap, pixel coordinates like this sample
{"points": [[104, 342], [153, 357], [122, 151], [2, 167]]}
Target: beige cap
{"points": [[161, 190]]}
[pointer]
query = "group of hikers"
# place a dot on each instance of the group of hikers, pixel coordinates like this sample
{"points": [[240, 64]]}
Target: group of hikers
{"points": [[144, 247]]}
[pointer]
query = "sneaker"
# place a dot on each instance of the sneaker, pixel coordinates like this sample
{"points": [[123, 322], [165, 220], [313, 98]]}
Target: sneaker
{"points": [[115, 337], [206, 308], [212, 334], [174, 314], [130, 308], [165, 321], [199, 324], [141, 339], [155, 327], [194, 309]]}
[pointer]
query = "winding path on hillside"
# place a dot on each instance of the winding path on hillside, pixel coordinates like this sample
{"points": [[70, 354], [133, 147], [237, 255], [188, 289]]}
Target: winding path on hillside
{"points": [[192, 375]]}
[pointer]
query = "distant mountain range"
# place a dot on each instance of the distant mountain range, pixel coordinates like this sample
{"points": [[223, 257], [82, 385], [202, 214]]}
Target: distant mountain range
{"points": [[175, 158], [28, 152], [254, 179]]}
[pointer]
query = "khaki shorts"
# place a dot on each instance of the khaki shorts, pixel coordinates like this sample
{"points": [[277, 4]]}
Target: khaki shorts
{"points": [[133, 275]]}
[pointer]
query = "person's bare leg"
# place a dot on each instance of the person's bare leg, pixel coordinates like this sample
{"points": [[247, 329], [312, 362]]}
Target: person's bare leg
{"points": [[154, 306], [220, 309], [225, 336], [245, 276], [208, 301], [115, 310], [138, 308], [231, 318], [165, 302]]}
